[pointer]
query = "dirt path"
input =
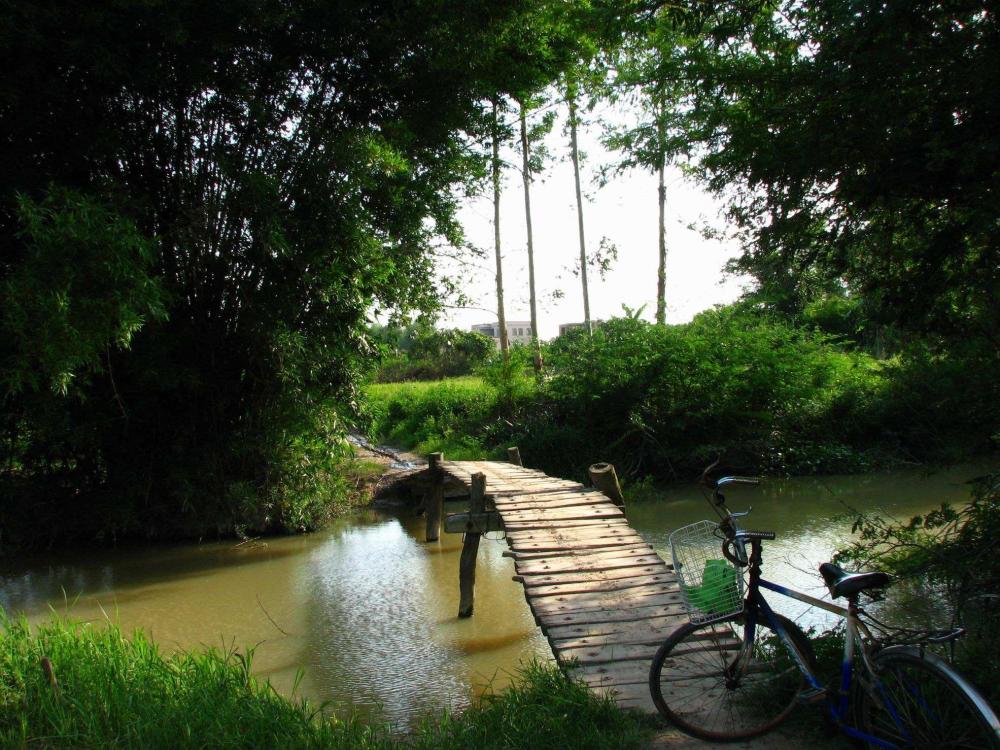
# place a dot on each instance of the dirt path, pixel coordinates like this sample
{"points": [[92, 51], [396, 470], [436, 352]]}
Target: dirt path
{"points": [[793, 737]]}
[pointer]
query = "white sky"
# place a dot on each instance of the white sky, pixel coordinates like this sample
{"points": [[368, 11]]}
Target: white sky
{"points": [[625, 211]]}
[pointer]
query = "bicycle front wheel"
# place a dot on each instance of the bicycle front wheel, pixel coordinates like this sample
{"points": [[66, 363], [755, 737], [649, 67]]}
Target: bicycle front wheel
{"points": [[710, 686], [919, 701]]}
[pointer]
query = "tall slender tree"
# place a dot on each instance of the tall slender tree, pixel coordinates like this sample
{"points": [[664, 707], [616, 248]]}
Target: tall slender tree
{"points": [[495, 167], [533, 154], [651, 141], [526, 178], [659, 107], [571, 97]]}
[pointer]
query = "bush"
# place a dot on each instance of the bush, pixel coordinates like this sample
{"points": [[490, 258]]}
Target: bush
{"points": [[421, 352], [949, 553], [754, 390]]}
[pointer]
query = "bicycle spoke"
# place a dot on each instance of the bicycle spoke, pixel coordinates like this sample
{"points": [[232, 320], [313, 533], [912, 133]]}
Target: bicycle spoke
{"points": [[710, 683]]}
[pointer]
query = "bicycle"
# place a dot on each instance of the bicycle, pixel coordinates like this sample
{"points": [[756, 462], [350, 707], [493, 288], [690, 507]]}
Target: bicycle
{"points": [[738, 669]]}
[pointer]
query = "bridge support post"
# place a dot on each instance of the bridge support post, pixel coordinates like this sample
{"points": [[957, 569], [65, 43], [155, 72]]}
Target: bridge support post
{"points": [[604, 478], [470, 549], [514, 456], [434, 499]]}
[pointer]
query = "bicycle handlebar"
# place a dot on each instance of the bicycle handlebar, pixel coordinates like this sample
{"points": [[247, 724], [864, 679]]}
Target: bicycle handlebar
{"points": [[756, 534]]}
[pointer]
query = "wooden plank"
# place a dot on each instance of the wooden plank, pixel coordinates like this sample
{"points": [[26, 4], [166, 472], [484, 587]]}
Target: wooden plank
{"points": [[545, 494], [602, 595], [480, 522], [623, 559], [667, 582], [549, 502], [632, 697], [609, 615], [559, 533], [612, 653], [643, 596], [646, 628], [637, 638], [562, 545], [607, 675], [558, 515], [520, 554], [594, 523], [550, 533], [545, 579], [582, 554]]}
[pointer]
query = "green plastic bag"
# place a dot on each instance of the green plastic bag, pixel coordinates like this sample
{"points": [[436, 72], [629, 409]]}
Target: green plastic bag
{"points": [[718, 591]]}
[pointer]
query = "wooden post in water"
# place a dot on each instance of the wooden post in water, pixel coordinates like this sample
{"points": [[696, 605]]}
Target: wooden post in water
{"points": [[435, 496], [604, 478], [470, 549], [514, 456]]}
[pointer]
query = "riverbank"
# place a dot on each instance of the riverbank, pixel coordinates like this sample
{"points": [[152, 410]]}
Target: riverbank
{"points": [[72, 685]]}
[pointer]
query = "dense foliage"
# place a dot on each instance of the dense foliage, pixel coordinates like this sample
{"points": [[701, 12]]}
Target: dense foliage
{"points": [[855, 143], [749, 388], [422, 352], [198, 211], [68, 685], [949, 555]]}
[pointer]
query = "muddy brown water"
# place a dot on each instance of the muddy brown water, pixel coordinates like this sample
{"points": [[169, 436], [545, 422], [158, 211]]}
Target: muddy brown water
{"points": [[366, 610]]}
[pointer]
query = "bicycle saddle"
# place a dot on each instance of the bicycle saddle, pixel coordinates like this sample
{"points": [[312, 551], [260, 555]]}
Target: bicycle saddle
{"points": [[842, 583]]}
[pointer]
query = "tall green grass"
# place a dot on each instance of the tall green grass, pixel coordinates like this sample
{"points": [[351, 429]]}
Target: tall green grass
{"points": [[449, 415], [112, 691]]}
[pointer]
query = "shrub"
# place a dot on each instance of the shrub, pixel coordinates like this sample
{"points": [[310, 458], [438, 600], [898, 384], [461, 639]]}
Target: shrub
{"points": [[951, 551]]}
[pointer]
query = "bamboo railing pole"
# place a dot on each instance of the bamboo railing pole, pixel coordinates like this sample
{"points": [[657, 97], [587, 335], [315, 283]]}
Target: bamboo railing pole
{"points": [[604, 478], [470, 549], [435, 496]]}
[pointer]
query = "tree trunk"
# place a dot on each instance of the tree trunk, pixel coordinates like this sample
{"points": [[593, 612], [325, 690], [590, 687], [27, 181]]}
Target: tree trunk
{"points": [[571, 96], [501, 317], [526, 174], [661, 276]]}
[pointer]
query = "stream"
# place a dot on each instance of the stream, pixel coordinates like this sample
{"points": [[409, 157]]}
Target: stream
{"points": [[366, 611]]}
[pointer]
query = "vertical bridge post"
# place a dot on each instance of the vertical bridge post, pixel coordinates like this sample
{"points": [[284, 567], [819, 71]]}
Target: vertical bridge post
{"points": [[470, 548], [604, 478], [514, 456], [434, 503]]}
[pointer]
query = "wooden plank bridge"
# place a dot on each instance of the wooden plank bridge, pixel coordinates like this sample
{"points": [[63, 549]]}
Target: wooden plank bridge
{"points": [[601, 595]]}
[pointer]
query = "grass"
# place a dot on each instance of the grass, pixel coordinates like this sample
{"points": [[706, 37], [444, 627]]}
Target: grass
{"points": [[73, 685], [441, 415]]}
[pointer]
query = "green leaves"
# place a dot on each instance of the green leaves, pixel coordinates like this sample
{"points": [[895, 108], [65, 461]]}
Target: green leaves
{"points": [[85, 284], [851, 141]]}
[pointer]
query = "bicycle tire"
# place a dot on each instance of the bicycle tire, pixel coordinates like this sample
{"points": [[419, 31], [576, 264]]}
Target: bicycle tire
{"points": [[704, 703], [940, 710]]}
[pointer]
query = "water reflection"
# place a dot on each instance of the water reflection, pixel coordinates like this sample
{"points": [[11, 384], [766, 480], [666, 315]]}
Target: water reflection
{"points": [[812, 517], [368, 610]]}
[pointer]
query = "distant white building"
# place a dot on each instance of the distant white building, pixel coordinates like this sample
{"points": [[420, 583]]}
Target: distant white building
{"points": [[518, 331], [564, 327]]}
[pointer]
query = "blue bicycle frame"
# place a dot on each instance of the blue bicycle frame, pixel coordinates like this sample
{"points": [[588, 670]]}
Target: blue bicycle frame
{"points": [[756, 604]]}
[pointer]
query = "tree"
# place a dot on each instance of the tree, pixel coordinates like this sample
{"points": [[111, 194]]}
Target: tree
{"points": [[856, 145], [571, 97], [246, 185], [531, 162], [642, 65], [495, 171]]}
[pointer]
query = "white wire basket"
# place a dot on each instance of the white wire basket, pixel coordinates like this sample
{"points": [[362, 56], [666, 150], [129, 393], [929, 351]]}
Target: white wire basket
{"points": [[711, 586]]}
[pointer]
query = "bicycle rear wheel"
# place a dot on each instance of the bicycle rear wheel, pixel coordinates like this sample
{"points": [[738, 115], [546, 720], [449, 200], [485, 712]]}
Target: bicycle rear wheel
{"points": [[700, 683], [932, 707]]}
